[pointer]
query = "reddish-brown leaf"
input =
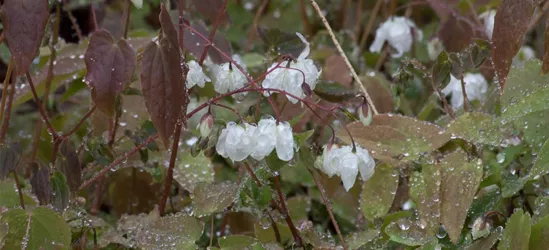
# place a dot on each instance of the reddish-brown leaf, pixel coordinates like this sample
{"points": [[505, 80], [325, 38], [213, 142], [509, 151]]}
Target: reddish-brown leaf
{"points": [[210, 10], [511, 23], [40, 182], [545, 67], [456, 33], [69, 164], [110, 68], [24, 25], [162, 80]]}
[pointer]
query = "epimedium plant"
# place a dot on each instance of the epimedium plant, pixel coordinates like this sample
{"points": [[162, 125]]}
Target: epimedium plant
{"points": [[164, 138]]}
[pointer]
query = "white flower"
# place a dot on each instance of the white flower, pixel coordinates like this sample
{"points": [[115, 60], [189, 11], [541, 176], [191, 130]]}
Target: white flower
{"points": [[195, 76], [397, 31], [238, 59], [290, 76], [266, 138], [227, 79], [346, 164], [236, 142], [488, 18], [434, 47], [475, 87], [526, 53], [284, 141]]}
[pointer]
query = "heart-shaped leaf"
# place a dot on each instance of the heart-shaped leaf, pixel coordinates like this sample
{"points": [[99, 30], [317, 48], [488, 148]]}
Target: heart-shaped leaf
{"points": [[110, 68]]}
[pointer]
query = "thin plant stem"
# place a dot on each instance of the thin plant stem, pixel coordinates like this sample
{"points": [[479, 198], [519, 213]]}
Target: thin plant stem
{"points": [[275, 228], [465, 99], [358, 14], [253, 30], [370, 23], [45, 118], [128, 18], [212, 233], [538, 17], [5, 87], [329, 208], [295, 234], [169, 175], [74, 23], [75, 128], [444, 101], [18, 185], [307, 27], [342, 53], [342, 13], [212, 32], [94, 210]]}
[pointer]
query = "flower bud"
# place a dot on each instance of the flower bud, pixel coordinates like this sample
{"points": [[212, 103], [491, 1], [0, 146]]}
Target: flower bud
{"points": [[206, 125], [365, 114], [481, 228], [307, 89]]}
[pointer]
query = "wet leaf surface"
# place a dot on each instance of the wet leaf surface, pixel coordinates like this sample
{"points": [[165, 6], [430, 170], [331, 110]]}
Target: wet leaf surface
{"points": [[517, 232], [510, 25], [133, 191], [9, 197], [24, 24], [334, 92], [10, 155], [69, 164], [191, 171], [110, 67], [40, 182], [212, 198], [162, 81], [390, 136], [481, 128], [539, 234], [425, 192], [40, 228], [487, 242], [379, 192], [60, 191]]}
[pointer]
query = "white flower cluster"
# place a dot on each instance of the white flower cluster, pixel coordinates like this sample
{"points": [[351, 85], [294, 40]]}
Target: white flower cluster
{"points": [[475, 87], [290, 77], [238, 142], [345, 163], [397, 31], [226, 78]]}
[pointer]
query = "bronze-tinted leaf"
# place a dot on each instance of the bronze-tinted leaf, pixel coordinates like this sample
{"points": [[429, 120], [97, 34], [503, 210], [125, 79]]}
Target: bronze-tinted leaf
{"points": [[456, 33], [69, 164], [40, 182], [545, 67], [10, 155], [162, 81], [210, 10], [24, 26], [510, 25], [110, 68]]}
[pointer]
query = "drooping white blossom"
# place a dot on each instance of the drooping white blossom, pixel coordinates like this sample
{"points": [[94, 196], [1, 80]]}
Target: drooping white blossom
{"points": [[238, 59], [526, 53], [488, 18], [228, 78], [434, 47], [345, 163], [196, 76], [290, 76], [475, 87], [238, 142], [397, 31]]}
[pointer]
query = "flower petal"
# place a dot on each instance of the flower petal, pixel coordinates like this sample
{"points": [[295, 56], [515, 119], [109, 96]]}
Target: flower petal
{"points": [[284, 141]]}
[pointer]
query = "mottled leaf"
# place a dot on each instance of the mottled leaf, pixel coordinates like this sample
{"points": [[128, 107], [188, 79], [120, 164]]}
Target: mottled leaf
{"points": [[390, 136], [539, 234], [425, 192], [40, 182], [9, 197], [170, 232], [40, 228], [10, 155], [379, 192], [334, 92], [510, 25], [213, 198], [481, 128], [68, 163], [192, 171], [441, 70], [24, 24], [162, 81], [60, 191], [517, 232], [110, 67], [279, 42], [460, 181]]}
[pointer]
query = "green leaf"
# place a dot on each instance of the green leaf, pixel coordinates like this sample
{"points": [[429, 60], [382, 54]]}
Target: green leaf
{"points": [[60, 191], [40, 228], [212, 198], [236, 242], [192, 171], [517, 232], [486, 242], [379, 192], [460, 181], [360, 238], [10, 155], [441, 70], [334, 92], [9, 197], [541, 164], [541, 208], [540, 234], [425, 192], [481, 128], [407, 232], [399, 136], [171, 232], [512, 185], [299, 207], [301, 138]]}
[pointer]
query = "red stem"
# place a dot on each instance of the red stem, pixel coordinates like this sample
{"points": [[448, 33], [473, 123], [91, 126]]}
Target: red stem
{"points": [[169, 175], [50, 128], [212, 32]]}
